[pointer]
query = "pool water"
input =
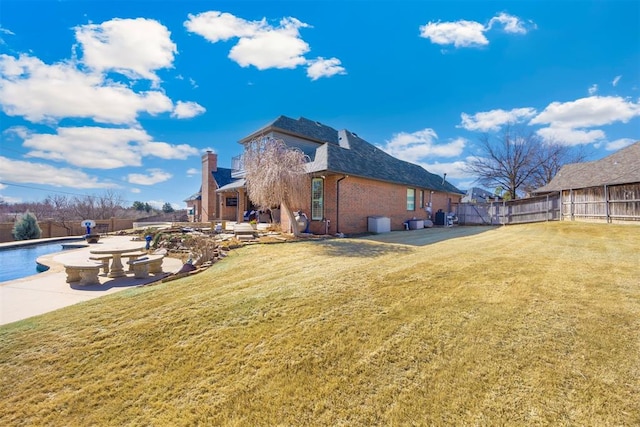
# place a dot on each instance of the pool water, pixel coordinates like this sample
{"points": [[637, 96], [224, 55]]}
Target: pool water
{"points": [[19, 262]]}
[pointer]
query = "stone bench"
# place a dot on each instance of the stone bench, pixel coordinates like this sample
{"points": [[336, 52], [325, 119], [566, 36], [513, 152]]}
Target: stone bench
{"points": [[244, 231], [104, 259], [85, 273], [132, 257], [145, 265]]}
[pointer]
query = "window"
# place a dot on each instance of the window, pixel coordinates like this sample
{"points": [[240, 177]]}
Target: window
{"points": [[317, 199], [411, 199], [421, 199]]}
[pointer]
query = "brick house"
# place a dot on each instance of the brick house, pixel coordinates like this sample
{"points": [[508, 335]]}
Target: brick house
{"points": [[350, 180]]}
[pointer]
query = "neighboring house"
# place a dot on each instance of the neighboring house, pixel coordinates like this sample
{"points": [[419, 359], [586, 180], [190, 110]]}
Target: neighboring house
{"points": [[350, 181], [603, 190], [206, 206], [479, 195]]}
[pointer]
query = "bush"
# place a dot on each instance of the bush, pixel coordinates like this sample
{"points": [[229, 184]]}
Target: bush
{"points": [[26, 228]]}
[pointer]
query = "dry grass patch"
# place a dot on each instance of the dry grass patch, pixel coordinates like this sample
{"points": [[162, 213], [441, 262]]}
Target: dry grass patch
{"points": [[522, 325]]}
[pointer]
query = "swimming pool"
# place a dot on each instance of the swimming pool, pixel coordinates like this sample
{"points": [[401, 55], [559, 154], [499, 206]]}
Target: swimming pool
{"points": [[18, 262]]}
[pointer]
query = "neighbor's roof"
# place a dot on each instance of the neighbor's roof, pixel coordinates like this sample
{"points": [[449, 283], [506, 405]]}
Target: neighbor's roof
{"points": [[621, 167], [475, 193], [346, 153], [196, 196]]}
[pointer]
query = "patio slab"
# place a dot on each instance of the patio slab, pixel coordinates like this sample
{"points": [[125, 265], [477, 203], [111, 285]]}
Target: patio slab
{"points": [[48, 291]]}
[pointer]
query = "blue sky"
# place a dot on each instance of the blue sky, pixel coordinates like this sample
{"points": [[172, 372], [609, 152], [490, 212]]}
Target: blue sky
{"points": [[127, 95]]}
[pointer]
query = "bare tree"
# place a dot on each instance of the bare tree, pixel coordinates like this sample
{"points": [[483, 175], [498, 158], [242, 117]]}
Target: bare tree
{"points": [[109, 203], [551, 157], [85, 207], [518, 160], [276, 176], [62, 211]]}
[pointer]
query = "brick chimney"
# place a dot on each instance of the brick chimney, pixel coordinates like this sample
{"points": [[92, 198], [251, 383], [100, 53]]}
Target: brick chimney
{"points": [[209, 186]]}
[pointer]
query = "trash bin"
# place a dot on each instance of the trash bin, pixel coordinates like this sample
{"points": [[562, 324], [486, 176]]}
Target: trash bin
{"points": [[440, 217]]}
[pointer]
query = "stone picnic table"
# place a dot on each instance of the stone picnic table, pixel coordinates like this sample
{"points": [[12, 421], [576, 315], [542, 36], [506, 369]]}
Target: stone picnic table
{"points": [[116, 251]]}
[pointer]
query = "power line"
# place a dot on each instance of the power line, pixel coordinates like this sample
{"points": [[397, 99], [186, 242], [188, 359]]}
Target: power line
{"points": [[60, 191]]}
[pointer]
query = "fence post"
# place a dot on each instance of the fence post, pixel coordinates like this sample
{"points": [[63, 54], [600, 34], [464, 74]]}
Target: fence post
{"points": [[548, 208], [606, 204]]}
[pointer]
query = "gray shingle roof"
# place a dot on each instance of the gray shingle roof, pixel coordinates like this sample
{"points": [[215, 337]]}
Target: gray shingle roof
{"points": [[357, 157], [621, 167], [222, 176], [303, 127]]}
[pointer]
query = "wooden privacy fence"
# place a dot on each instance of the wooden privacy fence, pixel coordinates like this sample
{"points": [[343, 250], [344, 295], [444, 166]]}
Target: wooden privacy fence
{"points": [[608, 203], [520, 211]]}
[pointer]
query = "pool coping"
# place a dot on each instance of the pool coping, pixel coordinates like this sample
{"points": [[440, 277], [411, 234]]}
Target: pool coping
{"points": [[31, 242]]}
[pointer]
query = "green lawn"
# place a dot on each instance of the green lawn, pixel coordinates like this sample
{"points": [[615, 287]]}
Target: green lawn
{"points": [[521, 325]]}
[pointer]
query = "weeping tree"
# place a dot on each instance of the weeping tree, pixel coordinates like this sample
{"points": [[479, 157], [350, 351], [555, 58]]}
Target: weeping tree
{"points": [[276, 175]]}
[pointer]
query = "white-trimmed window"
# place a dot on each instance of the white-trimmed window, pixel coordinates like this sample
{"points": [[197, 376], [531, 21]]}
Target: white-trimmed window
{"points": [[317, 199], [411, 199]]}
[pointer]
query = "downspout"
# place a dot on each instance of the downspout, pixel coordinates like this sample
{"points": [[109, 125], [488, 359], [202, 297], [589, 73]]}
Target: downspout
{"points": [[338, 202]]}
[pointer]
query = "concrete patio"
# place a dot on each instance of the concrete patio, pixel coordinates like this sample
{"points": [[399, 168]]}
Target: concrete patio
{"points": [[48, 291]]}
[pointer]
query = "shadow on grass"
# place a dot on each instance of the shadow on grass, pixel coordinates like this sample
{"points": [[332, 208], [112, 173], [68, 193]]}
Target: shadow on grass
{"points": [[358, 248], [427, 236]]}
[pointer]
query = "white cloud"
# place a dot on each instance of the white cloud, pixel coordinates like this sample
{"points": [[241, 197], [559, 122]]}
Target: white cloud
{"points": [[260, 44], [135, 190], [2, 186], [9, 199], [166, 151], [101, 148], [454, 170], [465, 33], [191, 172], [187, 110], [619, 144], [494, 119], [43, 93], [154, 176], [272, 48], [158, 204], [39, 173], [459, 33], [588, 112], [510, 23], [593, 89], [570, 136], [218, 26], [421, 144], [615, 81], [321, 67], [133, 47]]}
